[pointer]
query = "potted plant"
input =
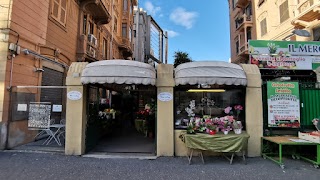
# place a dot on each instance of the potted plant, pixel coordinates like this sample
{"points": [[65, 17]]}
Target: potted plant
{"points": [[210, 127], [191, 128], [226, 130], [238, 108], [237, 127]]}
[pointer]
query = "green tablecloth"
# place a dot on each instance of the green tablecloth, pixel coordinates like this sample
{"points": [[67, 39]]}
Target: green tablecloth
{"points": [[217, 143]]}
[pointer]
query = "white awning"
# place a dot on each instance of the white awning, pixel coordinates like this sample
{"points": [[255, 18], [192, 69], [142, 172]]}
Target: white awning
{"points": [[118, 72], [210, 72]]}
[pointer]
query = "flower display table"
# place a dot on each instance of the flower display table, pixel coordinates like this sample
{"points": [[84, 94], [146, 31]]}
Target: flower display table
{"points": [[230, 143], [289, 141]]}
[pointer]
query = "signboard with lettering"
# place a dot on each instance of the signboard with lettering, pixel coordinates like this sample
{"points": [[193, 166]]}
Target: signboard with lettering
{"points": [[165, 96], [283, 104], [285, 54], [39, 115]]}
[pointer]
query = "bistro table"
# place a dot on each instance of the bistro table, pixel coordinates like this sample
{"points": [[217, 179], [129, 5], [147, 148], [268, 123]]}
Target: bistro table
{"points": [[230, 143], [289, 141]]}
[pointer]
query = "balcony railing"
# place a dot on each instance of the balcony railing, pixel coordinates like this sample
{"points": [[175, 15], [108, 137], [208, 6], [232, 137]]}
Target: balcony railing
{"points": [[124, 43], [243, 49], [306, 12], [244, 19], [305, 5]]}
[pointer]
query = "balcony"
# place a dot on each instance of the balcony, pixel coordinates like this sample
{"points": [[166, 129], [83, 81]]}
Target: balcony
{"points": [[135, 2], [242, 3], [97, 9], [125, 45], [86, 50], [243, 21], [306, 12], [243, 49]]}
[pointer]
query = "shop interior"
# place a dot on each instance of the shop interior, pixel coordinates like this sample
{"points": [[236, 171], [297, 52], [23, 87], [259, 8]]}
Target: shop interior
{"points": [[122, 119], [210, 101]]}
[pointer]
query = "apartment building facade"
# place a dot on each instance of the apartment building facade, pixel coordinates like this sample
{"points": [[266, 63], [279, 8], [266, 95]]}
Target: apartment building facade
{"points": [[39, 41], [270, 20]]}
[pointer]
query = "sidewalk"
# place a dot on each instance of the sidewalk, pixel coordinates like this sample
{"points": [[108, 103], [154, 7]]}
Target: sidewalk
{"points": [[20, 165]]}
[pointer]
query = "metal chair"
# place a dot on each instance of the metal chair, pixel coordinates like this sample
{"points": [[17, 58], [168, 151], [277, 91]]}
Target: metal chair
{"points": [[62, 131], [52, 121]]}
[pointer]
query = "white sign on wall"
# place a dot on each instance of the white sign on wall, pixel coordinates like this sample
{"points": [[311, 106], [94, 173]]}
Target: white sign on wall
{"points": [[56, 108], [22, 107], [165, 96], [74, 95]]}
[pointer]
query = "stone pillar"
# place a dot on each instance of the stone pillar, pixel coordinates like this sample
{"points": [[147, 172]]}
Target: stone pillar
{"points": [[165, 129], [75, 111], [254, 109]]}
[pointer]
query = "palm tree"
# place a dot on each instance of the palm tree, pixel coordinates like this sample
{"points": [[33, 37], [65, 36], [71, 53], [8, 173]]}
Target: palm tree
{"points": [[181, 57]]}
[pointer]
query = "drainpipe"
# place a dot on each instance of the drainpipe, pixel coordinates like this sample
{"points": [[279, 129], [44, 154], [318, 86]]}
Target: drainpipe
{"points": [[112, 27]]}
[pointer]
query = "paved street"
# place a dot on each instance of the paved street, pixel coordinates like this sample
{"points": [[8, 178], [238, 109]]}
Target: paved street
{"points": [[19, 165]]}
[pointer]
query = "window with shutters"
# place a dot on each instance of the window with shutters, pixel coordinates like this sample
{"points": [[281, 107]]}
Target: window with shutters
{"points": [[284, 11], [59, 11], [263, 26]]}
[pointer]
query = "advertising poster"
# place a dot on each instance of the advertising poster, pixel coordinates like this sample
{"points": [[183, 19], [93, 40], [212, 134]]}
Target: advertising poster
{"points": [[302, 55], [39, 115], [283, 104]]}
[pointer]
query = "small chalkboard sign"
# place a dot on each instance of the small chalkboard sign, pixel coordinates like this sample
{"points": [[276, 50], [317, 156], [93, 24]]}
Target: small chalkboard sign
{"points": [[39, 115]]}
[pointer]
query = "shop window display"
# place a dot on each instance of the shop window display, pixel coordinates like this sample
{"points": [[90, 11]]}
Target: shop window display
{"points": [[215, 108]]}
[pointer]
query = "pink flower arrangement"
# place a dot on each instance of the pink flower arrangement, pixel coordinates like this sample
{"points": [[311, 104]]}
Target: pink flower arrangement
{"points": [[238, 108], [227, 128], [227, 110]]}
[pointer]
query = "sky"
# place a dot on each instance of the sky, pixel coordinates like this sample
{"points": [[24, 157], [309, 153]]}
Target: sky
{"points": [[200, 28]]}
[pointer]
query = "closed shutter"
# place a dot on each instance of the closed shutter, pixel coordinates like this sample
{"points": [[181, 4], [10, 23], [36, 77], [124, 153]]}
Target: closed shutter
{"points": [[63, 11], [55, 8], [284, 11], [263, 26], [51, 77]]}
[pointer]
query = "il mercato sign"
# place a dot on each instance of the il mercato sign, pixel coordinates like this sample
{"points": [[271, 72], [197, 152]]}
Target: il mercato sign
{"points": [[285, 54]]}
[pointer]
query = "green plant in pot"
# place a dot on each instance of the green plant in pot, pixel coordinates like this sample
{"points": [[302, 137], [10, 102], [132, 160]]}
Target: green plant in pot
{"points": [[191, 128]]}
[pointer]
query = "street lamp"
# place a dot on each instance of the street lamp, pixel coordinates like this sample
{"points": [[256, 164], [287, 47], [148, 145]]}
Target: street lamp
{"points": [[298, 32]]}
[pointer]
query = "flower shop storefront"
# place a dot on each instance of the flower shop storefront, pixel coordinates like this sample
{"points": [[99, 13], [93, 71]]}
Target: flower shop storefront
{"points": [[209, 98], [228, 93], [120, 108]]}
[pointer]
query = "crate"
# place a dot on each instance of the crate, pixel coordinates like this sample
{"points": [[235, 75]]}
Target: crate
{"points": [[309, 137]]}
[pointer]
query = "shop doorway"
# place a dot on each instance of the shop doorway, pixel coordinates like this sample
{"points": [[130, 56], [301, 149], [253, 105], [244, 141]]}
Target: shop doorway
{"points": [[121, 119]]}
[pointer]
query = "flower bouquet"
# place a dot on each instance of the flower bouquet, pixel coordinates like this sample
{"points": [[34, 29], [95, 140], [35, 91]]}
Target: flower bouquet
{"points": [[238, 108]]}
